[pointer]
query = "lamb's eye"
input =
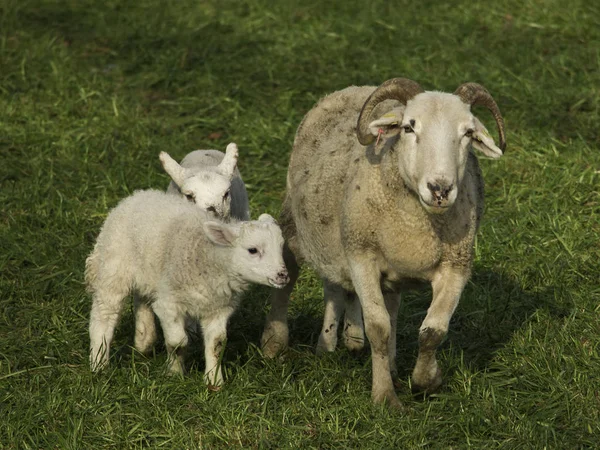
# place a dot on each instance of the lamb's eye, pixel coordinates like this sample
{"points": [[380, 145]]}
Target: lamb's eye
{"points": [[469, 133], [190, 197], [226, 196], [253, 251], [408, 129]]}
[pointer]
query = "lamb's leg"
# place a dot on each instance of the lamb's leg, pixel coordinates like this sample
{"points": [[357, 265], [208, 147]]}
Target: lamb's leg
{"points": [[365, 277], [176, 339], [447, 286], [145, 326], [334, 296], [275, 335], [214, 329], [104, 316], [392, 303], [353, 334]]}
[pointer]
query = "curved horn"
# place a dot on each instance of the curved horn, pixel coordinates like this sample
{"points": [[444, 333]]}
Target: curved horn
{"points": [[401, 89], [475, 94]]}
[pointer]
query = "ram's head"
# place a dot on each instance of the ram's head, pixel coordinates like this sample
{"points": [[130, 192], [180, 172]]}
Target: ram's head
{"points": [[431, 133]]}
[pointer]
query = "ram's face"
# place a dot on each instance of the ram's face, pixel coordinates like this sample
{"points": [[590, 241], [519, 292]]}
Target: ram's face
{"points": [[434, 132]]}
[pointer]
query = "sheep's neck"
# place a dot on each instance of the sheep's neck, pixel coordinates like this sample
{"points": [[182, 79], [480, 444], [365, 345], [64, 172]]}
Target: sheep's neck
{"points": [[391, 180]]}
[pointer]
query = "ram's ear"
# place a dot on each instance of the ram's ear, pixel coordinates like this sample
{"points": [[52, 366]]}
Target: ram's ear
{"points": [[483, 142], [229, 162], [221, 233], [390, 122], [172, 167]]}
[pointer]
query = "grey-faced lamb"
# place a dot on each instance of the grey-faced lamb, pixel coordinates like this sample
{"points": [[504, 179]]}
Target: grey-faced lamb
{"points": [[400, 204], [185, 265], [211, 180]]}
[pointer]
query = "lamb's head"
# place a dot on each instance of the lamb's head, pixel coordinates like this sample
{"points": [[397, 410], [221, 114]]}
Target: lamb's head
{"points": [[430, 135], [209, 186], [257, 249]]}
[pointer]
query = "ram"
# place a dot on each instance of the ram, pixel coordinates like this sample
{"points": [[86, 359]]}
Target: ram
{"points": [[184, 264], [375, 215]]}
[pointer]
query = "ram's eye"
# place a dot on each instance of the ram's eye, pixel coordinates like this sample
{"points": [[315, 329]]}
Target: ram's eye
{"points": [[226, 195], [469, 132], [190, 197], [253, 251]]}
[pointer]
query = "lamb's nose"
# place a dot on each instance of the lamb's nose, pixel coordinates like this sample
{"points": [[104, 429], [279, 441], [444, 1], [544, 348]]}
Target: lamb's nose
{"points": [[283, 277]]}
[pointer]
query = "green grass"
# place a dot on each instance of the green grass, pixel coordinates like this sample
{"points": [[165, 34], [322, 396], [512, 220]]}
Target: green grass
{"points": [[91, 92]]}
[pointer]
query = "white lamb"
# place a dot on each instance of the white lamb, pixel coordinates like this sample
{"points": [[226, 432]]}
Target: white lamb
{"points": [[211, 180], [183, 264]]}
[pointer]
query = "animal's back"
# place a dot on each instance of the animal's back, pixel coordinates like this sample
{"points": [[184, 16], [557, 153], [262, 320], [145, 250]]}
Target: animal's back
{"points": [[325, 156], [136, 238]]}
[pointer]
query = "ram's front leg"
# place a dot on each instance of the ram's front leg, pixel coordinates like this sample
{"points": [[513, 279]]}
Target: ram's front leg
{"points": [[447, 285], [365, 277]]}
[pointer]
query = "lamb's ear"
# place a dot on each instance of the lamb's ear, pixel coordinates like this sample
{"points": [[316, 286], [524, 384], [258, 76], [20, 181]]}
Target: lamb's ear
{"points": [[267, 218], [229, 163], [483, 142], [175, 171], [220, 233], [389, 122]]}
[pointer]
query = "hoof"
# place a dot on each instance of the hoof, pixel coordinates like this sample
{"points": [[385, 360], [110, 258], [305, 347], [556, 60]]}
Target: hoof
{"points": [[354, 345], [274, 340], [272, 349], [146, 351], [427, 385], [390, 400]]}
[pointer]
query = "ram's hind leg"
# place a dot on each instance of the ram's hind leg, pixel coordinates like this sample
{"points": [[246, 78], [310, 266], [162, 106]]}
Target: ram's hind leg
{"points": [[353, 333], [104, 316], [145, 326], [335, 298], [447, 286]]}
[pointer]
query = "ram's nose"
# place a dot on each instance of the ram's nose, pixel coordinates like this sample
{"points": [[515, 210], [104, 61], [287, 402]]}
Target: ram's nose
{"points": [[440, 192]]}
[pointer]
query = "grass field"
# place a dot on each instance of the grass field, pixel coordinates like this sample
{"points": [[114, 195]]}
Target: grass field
{"points": [[91, 92]]}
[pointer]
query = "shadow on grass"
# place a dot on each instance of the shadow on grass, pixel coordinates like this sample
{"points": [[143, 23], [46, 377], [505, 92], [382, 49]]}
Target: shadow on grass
{"points": [[492, 309]]}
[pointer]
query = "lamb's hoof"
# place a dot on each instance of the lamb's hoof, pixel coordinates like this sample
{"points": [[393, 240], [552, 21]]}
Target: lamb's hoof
{"points": [[145, 351], [176, 369], [390, 399], [214, 387], [427, 385]]}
